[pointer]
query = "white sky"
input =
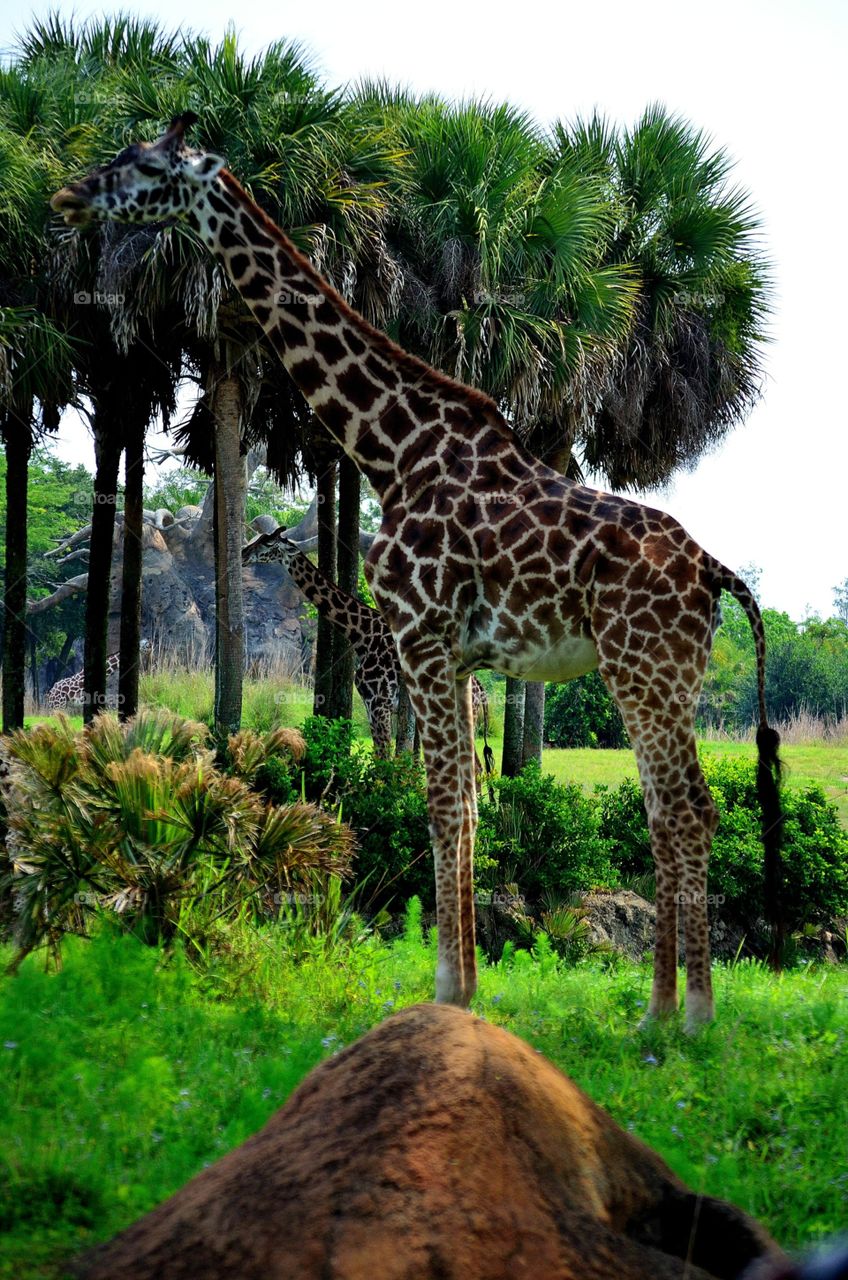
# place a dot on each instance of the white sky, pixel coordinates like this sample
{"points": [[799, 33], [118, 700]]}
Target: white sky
{"points": [[768, 82]]}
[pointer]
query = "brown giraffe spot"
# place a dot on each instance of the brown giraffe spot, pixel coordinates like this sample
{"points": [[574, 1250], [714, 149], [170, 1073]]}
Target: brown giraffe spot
{"points": [[335, 416], [258, 286], [358, 389], [381, 372], [289, 334], [422, 406], [354, 342], [309, 375], [397, 423], [328, 317], [239, 264], [329, 346]]}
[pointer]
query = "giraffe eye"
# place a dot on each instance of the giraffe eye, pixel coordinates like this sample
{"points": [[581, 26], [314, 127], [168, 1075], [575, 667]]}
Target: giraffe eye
{"points": [[149, 170]]}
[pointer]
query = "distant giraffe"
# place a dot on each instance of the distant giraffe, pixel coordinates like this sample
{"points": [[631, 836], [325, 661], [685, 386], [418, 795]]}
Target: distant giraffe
{"points": [[485, 557], [377, 675], [70, 689]]}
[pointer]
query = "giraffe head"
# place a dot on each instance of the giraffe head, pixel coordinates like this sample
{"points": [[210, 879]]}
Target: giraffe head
{"points": [[266, 547], [146, 182]]}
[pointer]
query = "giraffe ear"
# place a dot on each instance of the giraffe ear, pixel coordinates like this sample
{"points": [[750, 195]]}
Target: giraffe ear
{"points": [[203, 168]]}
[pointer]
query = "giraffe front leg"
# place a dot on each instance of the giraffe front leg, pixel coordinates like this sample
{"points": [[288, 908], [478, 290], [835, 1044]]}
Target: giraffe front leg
{"points": [[442, 707]]}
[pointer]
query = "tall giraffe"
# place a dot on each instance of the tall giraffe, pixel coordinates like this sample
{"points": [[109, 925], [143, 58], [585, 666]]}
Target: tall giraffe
{"points": [[485, 558], [377, 675]]}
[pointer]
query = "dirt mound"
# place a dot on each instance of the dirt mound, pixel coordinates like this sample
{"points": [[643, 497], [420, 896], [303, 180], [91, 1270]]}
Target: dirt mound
{"points": [[437, 1147]]}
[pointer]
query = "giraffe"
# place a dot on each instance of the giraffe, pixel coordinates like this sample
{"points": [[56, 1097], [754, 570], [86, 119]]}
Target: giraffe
{"points": [[70, 688], [485, 557], [377, 676]]}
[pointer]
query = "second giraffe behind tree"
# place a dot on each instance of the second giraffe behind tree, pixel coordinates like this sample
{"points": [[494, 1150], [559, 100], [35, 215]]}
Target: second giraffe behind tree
{"points": [[377, 675]]}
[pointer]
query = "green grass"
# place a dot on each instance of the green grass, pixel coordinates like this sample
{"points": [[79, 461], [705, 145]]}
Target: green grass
{"points": [[124, 1074], [273, 701], [821, 764]]}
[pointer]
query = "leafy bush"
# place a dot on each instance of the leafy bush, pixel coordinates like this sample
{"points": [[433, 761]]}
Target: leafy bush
{"points": [[815, 848], [383, 801], [543, 835], [135, 819], [582, 713]]}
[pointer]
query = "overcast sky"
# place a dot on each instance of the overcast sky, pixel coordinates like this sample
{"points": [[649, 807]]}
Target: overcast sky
{"points": [[765, 80]]}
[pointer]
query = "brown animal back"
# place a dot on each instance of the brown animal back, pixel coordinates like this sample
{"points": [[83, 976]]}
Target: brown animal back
{"points": [[437, 1147]]}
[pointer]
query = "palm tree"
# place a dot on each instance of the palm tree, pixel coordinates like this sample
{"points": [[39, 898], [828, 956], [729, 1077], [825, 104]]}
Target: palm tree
{"points": [[35, 359], [690, 369]]}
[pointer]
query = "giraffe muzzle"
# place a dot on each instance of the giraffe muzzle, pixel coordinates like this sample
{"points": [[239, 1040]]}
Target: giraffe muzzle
{"points": [[74, 207]]}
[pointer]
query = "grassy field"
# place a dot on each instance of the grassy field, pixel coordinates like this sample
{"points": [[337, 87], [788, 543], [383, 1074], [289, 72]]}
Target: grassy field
{"points": [[269, 702], [123, 1074]]}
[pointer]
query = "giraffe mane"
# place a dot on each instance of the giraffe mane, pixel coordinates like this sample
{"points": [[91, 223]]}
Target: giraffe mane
{"points": [[474, 399]]}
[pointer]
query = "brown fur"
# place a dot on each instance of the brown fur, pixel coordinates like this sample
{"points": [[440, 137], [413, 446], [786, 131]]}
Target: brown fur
{"points": [[438, 1147]]}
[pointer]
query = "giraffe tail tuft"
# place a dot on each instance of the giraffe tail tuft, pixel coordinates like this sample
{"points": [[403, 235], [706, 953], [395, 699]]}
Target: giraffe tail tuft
{"points": [[769, 771]]}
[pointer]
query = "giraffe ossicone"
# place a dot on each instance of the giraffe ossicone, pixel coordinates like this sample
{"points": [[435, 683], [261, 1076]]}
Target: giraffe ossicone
{"points": [[485, 558]]}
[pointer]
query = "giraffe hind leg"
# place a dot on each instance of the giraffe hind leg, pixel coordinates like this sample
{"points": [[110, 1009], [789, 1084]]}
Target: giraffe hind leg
{"points": [[682, 819]]}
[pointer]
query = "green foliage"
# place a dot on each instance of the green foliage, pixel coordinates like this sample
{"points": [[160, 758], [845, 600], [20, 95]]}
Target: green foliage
{"points": [[582, 713], [383, 801], [806, 669], [815, 854], [133, 819], [543, 835]]}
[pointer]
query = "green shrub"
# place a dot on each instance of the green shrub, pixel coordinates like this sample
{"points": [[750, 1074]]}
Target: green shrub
{"points": [[383, 801], [135, 819], [582, 713], [544, 836], [815, 847]]}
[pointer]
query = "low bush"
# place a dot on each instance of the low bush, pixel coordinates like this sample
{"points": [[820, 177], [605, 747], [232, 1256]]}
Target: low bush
{"points": [[582, 713], [544, 836], [383, 801], [136, 819], [815, 847]]}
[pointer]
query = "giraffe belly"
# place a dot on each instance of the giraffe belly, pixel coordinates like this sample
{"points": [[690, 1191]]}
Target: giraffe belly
{"points": [[563, 659]]}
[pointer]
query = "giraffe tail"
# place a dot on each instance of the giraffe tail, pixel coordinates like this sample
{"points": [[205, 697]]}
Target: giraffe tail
{"points": [[488, 753], [769, 770]]}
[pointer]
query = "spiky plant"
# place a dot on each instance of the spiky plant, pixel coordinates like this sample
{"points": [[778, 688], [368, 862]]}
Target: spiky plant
{"points": [[123, 817]]}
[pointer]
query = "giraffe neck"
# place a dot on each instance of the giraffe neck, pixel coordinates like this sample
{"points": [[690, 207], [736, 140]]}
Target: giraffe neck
{"points": [[356, 619], [377, 401]]}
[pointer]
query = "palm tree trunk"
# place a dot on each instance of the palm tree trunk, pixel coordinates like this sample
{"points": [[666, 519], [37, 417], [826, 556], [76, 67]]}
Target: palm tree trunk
{"points": [[347, 568], [226, 404], [18, 445], [107, 457], [131, 571], [534, 716], [513, 728], [323, 696]]}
